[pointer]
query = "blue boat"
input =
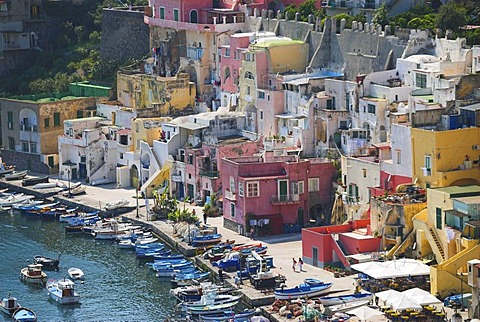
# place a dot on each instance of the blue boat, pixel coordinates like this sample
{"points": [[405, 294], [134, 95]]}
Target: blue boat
{"points": [[342, 299], [244, 316], [304, 290], [206, 239], [228, 265], [190, 276], [457, 300], [168, 257]]}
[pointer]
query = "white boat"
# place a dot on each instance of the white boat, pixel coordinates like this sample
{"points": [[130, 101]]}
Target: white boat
{"points": [[27, 203], [9, 305], [45, 185], [346, 306], [16, 175], [63, 291], [75, 191], [5, 169], [24, 315], [117, 204], [75, 273], [14, 199], [33, 274]]}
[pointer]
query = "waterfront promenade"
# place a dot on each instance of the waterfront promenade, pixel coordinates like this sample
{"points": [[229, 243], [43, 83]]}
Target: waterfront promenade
{"points": [[283, 248]]}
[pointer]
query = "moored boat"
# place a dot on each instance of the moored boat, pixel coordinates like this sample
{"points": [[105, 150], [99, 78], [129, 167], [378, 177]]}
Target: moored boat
{"points": [[226, 316], [206, 239], [24, 315], [47, 262], [75, 273], [211, 309], [16, 175], [33, 274], [6, 169], [63, 291], [116, 204], [303, 290], [341, 299], [9, 305], [34, 181]]}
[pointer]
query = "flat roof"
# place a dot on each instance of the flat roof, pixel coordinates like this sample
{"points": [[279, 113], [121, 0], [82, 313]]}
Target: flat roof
{"points": [[192, 126], [460, 190], [357, 236], [276, 41], [471, 200]]}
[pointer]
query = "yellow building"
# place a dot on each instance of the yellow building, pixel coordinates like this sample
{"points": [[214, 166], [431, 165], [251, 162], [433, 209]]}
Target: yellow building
{"points": [[450, 228], [446, 158], [161, 95], [147, 130]]}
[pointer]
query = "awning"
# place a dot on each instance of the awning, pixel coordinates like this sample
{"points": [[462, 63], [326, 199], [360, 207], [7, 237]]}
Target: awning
{"points": [[192, 126], [397, 268]]}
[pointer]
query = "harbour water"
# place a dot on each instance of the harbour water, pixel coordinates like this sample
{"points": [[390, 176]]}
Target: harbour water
{"points": [[116, 288]]}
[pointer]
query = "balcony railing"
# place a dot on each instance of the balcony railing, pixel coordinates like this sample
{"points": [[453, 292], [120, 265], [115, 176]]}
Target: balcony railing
{"points": [[283, 199], [210, 174], [29, 128], [194, 53]]}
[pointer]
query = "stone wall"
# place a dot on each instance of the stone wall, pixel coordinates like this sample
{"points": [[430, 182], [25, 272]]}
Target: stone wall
{"points": [[25, 161], [124, 35]]}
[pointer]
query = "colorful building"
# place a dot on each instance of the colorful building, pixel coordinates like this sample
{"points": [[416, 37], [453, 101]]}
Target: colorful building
{"points": [[269, 195]]}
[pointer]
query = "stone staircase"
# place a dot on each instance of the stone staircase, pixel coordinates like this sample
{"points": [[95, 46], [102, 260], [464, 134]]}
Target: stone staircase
{"points": [[435, 239]]}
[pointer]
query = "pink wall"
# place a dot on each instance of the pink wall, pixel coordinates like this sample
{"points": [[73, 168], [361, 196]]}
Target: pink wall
{"points": [[395, 181], [233, 64]]}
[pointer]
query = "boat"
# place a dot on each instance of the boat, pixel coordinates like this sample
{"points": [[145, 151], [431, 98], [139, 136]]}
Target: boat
{"points": [[211, 309], [303, 290], [342, 299], [75, 273], [206, 239], [210, 298], [33, 274], [27, 204], [194, 292], [16, 175], [47, 262], [63, 291], [117, 204], [34, 181], [9, 305], [44, 185], [340, 308], [457, 300], [15, 199], [24, 315], [226, 316], [75, 191], [240, 247], [6, 169]]}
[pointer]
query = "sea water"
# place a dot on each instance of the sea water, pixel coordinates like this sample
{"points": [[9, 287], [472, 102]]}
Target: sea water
{"points": [[116, 286]]}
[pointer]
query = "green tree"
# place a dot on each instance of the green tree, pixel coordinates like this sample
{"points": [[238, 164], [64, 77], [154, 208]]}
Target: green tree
{"points": [[451, 16], [425, 22], [305, 9], [381, 15]]}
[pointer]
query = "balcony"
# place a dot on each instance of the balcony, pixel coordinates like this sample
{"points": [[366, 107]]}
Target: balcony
{"points": [[29, 133], [209, 174], [65, 140], [284, 199], [29, 128], [194, 53]]}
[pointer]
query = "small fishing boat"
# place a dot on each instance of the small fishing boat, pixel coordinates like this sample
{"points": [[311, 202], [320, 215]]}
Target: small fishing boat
{"points": [[240, 247], [340, 308], [117, 204], [16, 175], [194, 292], [33, 274], [231, 316], [15, 199], [6, 169], [44, 185], [27, 204], [24, 315], [75, 191], [34, 181], [303, 290], [341, 299], [74, 229], [75, 273], [9, 305], [211, 309], [458, 299], [47, 262], [211, 298], [206, 239], [63, 291]]}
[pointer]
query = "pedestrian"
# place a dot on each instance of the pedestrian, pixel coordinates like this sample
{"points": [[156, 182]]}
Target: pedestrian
{"points": [[205, 218], [294, 265], [300, 264], [237, 281], [220, 275]]}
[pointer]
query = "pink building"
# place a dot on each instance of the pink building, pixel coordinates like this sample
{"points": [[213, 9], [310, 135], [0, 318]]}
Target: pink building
{"points": [[203, 165], [232, 56], [270, 195], [339, 245]]}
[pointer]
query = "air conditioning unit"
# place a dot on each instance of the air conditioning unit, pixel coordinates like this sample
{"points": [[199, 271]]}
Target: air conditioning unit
{"points": [[475, 147]]}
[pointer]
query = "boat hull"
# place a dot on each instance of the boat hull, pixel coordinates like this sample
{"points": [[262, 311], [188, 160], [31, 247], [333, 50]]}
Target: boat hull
{"points": [[39, 280], [338, 300], [24, 315], [288, 294]]}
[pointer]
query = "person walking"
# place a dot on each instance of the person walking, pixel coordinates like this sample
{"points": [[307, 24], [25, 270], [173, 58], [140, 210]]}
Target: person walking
{"points": [[300, 264], [294, 264], [205, 218]]}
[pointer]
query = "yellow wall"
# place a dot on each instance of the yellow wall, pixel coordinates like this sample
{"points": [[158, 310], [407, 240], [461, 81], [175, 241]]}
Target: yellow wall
{"points": [[142, 133], [281, 58], [169, 94], [447, 150]]}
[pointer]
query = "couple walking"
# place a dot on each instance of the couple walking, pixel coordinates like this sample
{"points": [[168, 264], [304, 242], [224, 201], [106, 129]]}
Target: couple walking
{"points": [[300, 264]]}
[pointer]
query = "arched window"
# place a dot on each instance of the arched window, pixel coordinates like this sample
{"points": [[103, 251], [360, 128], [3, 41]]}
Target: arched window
{"points": [[194, 16], [249, 75]]}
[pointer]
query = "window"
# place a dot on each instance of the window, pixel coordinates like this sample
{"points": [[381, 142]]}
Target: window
{"points": [[33, 147], [301, 188], [297, 188], [268, 97], [240, 189], [56, 119], [313, 184], [261, 115], [347, 101], [189, 176], [232, 184], [51, 161], [253, 189], [190, 159], [371, 108], [249, 57], [364, 172], [175, 14], [79, 114], [121, 156], [329, 104], [438, 213], [227, 52], [248, 90], [34, 10], [4, 8], [421, 80], [25, 146], [46, 122], [399, 157], [10, 120], [249, 75], [232, 209], [162, 12], [137, 127], [261, 95], [428, 165], [11, 143]]}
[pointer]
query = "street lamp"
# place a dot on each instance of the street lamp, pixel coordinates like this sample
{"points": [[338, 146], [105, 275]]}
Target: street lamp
{"points": [[68, 172]]}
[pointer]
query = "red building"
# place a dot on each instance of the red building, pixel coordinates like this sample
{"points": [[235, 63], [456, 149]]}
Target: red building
{"points": [[270, 195], [339, 245]]}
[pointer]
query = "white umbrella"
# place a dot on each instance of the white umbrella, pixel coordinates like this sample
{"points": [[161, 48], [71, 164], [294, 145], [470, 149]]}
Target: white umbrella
{"points": [[403, 303], [364, 312], [420, 296], [388, 295]]}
